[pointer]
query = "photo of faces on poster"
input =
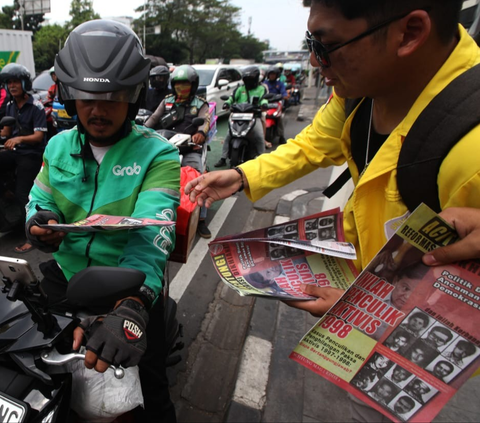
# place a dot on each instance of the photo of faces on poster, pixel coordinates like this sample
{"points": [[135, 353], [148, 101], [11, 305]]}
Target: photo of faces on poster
{"points": [[432, 345], [321, 229], [281, 252], [372, 372]]}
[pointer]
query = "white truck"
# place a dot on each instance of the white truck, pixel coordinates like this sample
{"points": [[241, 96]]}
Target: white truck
{"points": [[16, 47]]}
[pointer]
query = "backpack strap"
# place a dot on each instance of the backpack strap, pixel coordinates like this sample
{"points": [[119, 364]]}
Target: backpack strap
{"points": [[446, 120], [344, 177]]}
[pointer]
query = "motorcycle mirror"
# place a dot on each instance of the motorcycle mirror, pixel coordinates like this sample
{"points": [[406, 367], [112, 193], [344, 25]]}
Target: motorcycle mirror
{"points": [[198, 122], [100, 285], [224, 97], [8, 121]]}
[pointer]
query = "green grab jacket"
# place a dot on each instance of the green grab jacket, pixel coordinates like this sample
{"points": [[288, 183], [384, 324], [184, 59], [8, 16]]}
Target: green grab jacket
{"points": [[139, 177], [241, 95]]}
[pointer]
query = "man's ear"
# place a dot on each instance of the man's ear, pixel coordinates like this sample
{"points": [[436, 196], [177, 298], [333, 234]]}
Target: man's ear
{"points": [[415, 29]]}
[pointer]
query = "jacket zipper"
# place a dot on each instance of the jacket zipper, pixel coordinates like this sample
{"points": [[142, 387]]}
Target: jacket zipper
{"points": [[87, 249]]}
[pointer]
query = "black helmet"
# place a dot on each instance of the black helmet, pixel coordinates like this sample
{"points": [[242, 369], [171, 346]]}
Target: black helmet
{"points": [[159, 77], [186, 73], [14, 70], [275, 70], [102, 60], [251, 77]]}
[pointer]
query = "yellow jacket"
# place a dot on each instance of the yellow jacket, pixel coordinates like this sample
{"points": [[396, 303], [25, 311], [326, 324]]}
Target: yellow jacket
{"points": [[375, 207]]}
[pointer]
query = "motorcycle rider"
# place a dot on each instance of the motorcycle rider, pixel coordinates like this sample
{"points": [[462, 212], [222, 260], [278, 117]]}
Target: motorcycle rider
{"points": [[26, 140], [53, 90], [176, 112], [246, 94], [159, 78], [275, 86], [109, 165]]}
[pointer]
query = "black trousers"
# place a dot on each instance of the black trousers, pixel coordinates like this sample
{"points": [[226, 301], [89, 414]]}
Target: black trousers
{"points": [[153, 376], [26, 168]]}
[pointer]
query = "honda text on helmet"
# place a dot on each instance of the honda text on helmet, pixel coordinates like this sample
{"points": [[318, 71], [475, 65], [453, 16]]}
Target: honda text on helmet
{"points": [[16, 71], [251, 77], [102, 60]]}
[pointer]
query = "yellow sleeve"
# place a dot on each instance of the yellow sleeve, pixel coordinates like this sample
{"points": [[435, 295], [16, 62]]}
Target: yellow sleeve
{"points": [[318, 145]]}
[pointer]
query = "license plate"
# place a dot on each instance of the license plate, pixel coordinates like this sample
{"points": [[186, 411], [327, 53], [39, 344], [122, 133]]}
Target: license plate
{"points": [[241, 116], [12, 410]]}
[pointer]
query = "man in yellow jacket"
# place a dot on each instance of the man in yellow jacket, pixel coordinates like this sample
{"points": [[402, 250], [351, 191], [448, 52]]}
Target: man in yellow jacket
{"points": [[401, 55], [397, 55]]}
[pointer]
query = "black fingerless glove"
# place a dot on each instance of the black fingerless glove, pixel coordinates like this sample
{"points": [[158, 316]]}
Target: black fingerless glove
{"points": [[120, 338], [41, 217]]}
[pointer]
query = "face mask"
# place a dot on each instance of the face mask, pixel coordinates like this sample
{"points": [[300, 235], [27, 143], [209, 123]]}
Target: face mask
{"points": [[182, 90]]}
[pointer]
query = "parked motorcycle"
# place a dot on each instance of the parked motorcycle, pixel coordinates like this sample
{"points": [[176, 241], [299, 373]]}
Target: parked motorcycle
{"points": [[35, 342], [241, 121], [274, 112]]}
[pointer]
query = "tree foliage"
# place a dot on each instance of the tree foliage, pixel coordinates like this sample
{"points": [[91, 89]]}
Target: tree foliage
{"points": [[46, 44], [11, 19], [195, 30], [81, 11]]}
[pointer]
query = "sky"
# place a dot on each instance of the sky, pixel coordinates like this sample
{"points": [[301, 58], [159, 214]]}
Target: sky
{"points": [[283, 22]]}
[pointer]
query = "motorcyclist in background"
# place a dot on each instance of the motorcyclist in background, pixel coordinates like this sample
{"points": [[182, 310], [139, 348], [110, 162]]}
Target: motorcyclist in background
{"points": [[159, 79], [108, 165], [176, 112], [246, 94], [275, 86], [25, 141], [53, 90], [281, 76]]}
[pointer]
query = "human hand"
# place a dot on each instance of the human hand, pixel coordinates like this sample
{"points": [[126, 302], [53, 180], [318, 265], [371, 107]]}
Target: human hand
{"points": [[12, 143], [119, 338], [44, 239], [198, 138], [226, 106], [213, 186], [466, 221], [326, 298]]}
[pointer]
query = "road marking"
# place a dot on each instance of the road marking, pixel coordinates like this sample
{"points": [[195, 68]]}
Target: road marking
{"points": [[186, 273], [251, 386]]}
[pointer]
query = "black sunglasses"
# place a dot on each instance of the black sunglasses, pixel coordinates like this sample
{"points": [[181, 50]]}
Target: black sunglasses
{"points": [[322, 53]]}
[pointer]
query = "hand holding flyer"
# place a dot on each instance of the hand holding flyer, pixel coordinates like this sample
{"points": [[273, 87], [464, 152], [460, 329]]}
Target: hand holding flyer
{"points": [[403, 338]]}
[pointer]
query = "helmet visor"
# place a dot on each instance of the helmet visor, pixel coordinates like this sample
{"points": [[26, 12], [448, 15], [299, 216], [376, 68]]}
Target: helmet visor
{"points": [[128, 95]]}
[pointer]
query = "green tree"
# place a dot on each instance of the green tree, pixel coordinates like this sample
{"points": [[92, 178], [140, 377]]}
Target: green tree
{"points": [[46, 44], [7, 17], [81, 11], [191, 30], [10, 19]]}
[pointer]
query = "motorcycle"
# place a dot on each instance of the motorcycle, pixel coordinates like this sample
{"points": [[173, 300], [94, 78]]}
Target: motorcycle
{"points": [[241, 121], [35, 342], [274, 112]]}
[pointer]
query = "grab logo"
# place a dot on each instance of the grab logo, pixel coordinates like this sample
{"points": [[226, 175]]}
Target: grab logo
{"points": [[128, 170]]}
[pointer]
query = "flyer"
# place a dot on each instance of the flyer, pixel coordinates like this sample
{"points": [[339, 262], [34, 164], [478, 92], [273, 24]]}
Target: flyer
{"points": [[273, 262], [103, 222], [404, 337]]}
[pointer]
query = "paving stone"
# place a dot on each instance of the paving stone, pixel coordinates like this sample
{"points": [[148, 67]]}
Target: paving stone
{"points": [[229, 325], [212, 380]]}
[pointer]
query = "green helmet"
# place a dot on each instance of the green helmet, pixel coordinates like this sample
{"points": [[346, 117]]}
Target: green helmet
{"points": [[185, 73]]}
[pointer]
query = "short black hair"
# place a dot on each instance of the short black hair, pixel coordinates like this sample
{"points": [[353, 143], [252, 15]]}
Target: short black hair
{"points": [[443, 330], [422, 316], [445, 13], [468, 347]]}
